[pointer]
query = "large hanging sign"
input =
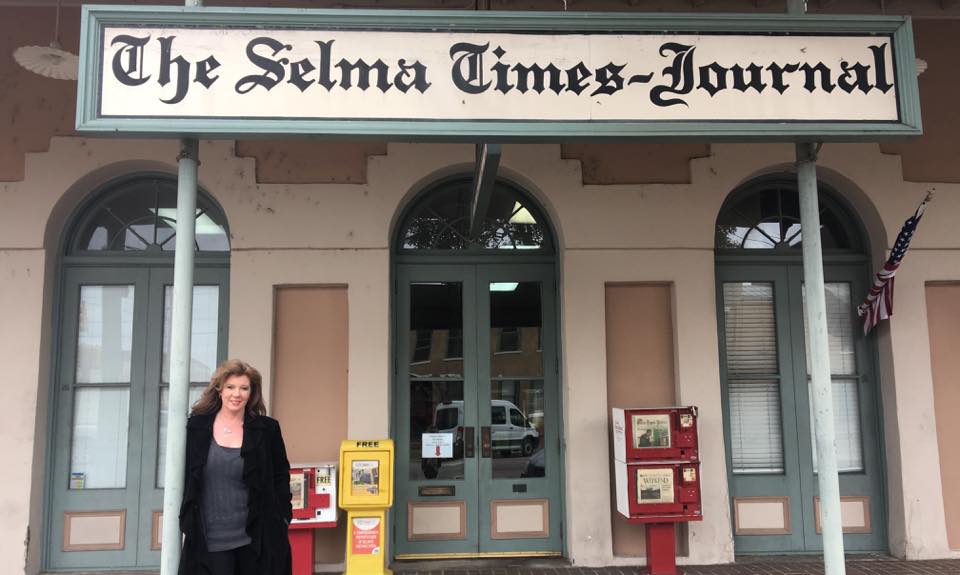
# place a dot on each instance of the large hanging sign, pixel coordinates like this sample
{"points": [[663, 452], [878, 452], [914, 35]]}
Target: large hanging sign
{"points": [[494, 76]]}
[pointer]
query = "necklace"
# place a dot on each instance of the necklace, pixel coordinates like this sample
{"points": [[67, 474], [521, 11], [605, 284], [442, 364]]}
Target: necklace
{"points": [[227, 430]]}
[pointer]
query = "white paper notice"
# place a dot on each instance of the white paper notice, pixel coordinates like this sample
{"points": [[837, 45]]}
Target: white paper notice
{"points": [[437, 446]]}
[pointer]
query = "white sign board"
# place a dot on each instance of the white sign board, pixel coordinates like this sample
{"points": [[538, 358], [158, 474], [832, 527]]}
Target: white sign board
{"points": [[436, 446], [494, 76], [334, 74]]}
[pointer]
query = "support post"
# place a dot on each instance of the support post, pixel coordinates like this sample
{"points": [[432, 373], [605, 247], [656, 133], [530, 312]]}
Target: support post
{"points": [[179, 355], [819, 356], [484, 177]]}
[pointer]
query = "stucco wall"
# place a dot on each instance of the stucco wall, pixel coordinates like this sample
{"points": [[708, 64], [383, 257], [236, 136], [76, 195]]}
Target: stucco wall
{"points": [[339, 234]]}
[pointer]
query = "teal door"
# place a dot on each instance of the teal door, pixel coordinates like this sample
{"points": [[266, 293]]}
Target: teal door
{"points": [[106, 485], [477, 411], [771, 452]]}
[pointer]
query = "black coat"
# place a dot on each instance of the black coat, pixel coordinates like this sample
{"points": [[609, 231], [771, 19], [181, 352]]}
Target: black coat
{"points": [[266, 473]]}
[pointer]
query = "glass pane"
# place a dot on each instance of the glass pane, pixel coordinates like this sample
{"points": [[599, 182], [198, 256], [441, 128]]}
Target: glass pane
{"points": [[515, 323], [105, 334], [140, 214], [193, 395], [841, 326], [98, 453], [436, 324], [204, 330], [756, 437], [846, 425], [436, 430], [516, 428], [751, 331], [441, 221]]}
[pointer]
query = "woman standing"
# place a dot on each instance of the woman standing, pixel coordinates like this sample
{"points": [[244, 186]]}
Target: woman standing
{"points": [[236, 499]]}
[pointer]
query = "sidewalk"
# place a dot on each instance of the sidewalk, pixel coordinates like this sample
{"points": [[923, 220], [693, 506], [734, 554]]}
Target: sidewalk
{"points": [[754, 565]]}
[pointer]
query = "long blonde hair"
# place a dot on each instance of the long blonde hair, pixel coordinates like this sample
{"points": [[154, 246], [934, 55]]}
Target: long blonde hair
{"points": [[210, 402]]}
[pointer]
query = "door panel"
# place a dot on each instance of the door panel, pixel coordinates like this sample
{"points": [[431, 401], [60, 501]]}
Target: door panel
{"points": [[96, 468], [436, 393], [520, 479], [744, 344], [475, 359]]}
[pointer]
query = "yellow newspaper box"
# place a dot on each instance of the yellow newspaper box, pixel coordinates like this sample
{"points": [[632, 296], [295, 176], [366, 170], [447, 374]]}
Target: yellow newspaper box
{"points": [[366, 492]]}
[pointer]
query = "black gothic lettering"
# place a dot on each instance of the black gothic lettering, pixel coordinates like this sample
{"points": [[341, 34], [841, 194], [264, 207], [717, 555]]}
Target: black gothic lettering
{"points": [[502, 71], [183, 70], [325, 80], [467, 70], [860, 81], [810, 73], [740, 82], [713, 78], [273, 72], [576, 76], [778, 71], [680, 72], [363, 74], [419, 76], [129, 71], [298, 74], [539, 75], [880, 65], [609, 79], [204, 67]]}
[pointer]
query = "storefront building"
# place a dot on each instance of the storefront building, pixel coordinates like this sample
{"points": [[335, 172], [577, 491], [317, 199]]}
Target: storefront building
{"points": [[604, 274]]}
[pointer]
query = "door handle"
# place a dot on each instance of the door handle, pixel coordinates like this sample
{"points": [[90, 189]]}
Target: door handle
{"points": [[485, 441], [468, 442]]}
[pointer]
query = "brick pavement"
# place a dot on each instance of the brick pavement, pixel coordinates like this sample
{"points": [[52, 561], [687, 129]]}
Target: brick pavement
{"points": [[787, 565]]}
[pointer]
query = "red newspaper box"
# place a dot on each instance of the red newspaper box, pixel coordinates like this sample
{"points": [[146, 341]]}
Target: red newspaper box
{"points": [[314, 499], [657, 469], [655, 434]]}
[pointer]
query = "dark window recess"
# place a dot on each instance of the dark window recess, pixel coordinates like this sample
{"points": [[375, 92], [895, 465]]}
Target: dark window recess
{"points": [[454, 343], [509, 339], [421, 351]]}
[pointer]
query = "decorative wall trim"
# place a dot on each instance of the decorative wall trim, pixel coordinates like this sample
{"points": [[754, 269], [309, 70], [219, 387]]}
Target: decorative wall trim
{"points": [[497, 533], [156, 530], [785, 529], [461, 507], [845, 501], [78, 517]]}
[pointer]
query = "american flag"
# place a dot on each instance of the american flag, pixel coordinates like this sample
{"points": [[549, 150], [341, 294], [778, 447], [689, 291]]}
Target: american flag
{"points": [[879, 303]]}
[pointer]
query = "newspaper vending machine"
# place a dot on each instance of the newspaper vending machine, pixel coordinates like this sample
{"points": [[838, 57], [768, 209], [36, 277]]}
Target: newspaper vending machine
{"points": [[657, 467]]}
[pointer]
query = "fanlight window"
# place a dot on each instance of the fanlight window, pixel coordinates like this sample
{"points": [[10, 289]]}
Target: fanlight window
{"points": [[766, 216], [441, 221], [140, 215]]}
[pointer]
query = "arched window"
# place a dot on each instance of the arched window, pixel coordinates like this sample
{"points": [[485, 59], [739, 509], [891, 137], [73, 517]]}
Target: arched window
{"points": [[765, 215], [115, 321], [440, 220], [139, 214]]}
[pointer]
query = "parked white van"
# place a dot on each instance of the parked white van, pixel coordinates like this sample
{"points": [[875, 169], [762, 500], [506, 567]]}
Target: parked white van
{"points": [[510, 430]]}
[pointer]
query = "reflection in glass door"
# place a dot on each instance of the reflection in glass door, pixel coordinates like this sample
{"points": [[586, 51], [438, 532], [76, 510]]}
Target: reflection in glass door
{"points": [[477, 426]]}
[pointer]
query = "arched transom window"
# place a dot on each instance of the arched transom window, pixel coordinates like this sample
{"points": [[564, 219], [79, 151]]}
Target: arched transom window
{"points": [[440, 220], [140, 215], [765, 215]]}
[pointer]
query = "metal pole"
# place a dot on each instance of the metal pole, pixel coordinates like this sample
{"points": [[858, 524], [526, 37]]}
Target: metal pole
{"points": [[179, 355], [819, 354]]}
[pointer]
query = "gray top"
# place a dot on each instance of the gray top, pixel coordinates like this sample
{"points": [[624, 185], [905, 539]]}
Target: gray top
{"points": [[224, 499]]}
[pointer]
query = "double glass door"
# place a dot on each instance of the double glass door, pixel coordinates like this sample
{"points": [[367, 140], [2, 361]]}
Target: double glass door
{"points": [[106, 476], [477, 414], [772, 459]]}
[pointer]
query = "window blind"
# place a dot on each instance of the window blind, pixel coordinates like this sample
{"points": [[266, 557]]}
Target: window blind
{"points": [[753, 378]]}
